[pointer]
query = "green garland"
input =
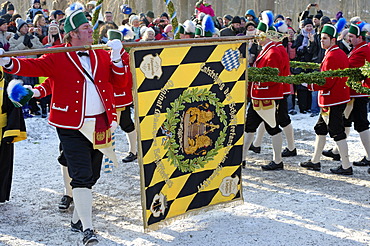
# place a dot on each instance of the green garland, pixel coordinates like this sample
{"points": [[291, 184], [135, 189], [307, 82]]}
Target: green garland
{"points": [[94, 20], [304, 65], [174, 22], [355, 75], [173, 118]]}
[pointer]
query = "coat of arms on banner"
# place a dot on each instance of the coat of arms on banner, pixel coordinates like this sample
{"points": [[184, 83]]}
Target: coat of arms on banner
{"points": [[190, 111]]}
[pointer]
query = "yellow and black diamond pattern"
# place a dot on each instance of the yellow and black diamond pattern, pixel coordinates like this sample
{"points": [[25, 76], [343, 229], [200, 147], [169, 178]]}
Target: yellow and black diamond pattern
{"points": [[190, 114]]}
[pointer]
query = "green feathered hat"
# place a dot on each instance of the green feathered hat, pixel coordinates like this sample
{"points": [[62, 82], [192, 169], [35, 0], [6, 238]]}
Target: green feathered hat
{"points": [[114, 34], [74, 20], [359, 29]]}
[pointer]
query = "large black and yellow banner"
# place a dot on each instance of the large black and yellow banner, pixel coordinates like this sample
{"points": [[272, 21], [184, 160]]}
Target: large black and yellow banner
{"points": [[190, 113]]}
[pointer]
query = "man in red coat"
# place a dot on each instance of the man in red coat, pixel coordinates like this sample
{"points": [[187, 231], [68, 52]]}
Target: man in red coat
{"points": [[265, 100], [356, 110], [333, 98], [284, 120], [82, 108]]}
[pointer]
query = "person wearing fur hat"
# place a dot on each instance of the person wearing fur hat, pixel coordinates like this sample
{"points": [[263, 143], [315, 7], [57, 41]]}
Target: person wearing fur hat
{"points": [[356, 110], [83, 108], [188, 29], [333, 98], [206, 29], [148, 35], [265, 98], [233, 29]]}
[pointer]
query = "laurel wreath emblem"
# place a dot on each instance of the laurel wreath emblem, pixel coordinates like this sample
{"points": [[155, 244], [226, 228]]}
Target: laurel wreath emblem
{"points": [[173, 118]]}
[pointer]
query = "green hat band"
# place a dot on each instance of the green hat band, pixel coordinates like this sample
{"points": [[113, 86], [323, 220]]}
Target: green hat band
{"points": [[114, 34], [262, 27], [75, 20], [181, 29], [330, 30], [354, 29]]}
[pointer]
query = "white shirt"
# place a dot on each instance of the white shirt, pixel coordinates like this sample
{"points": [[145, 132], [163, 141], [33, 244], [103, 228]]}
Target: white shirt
{"points": [[93, 103]]}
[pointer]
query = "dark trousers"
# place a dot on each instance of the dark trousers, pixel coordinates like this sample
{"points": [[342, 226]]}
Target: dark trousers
{"points": [[335, 128], [282, 115], [6, 170], [304, 99], [84, 162], [358, 115], [254, 120], [125, 122]]}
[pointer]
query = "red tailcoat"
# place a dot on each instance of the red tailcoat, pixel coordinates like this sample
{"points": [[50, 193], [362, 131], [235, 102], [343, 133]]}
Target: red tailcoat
{"points": [[288, 88], [334, 91], [67, 84], [268, 57], [123, 95], [357, 58]]}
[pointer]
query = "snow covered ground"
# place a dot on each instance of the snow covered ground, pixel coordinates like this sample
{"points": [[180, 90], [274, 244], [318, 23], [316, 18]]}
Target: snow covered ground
{"points": [[290, 207]]}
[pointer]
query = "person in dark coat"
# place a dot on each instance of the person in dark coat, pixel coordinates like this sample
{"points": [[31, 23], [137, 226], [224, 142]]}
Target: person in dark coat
{"points": [[12, 129]]}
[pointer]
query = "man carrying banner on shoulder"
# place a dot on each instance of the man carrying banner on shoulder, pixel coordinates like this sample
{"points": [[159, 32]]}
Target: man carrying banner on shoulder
{"points": [[356, 110], [82, 108], [333, 98], [265, 98]]}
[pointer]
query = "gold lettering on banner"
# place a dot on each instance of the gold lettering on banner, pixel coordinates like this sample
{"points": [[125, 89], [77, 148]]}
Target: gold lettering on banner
{"points": [[157, 113]]}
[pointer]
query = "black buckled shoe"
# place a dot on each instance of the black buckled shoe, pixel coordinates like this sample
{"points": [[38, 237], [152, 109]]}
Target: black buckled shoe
{"points": [[89, 238], [273, 166], [310, 165], [131, 157], [342, 171], [329, 153], [255, 149], [65, 202], [76, 227], [362, 163], [287, 153]]}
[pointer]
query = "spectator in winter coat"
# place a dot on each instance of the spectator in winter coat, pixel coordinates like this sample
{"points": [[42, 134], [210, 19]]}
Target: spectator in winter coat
{"points": [[251, 16], [4, 35]]}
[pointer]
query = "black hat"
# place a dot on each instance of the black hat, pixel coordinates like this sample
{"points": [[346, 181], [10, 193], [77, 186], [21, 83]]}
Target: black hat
{"points": [[10, 7], [307, 22], [2, 21], [58, 12], [229, 17], [150, 14], [279, 16], [250, 23], [165, 15], [36, 1], [236, 19], [324, 20], [318, 16]]}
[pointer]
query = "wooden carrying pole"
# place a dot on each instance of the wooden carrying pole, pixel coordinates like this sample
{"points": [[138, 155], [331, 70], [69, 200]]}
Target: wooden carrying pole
{"points": [[128, 45]]}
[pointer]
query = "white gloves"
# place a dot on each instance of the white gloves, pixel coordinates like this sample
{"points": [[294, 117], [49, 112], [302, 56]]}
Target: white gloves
{"points": [[113, 126], [36, 92], [3, 60], [116, 46]]}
